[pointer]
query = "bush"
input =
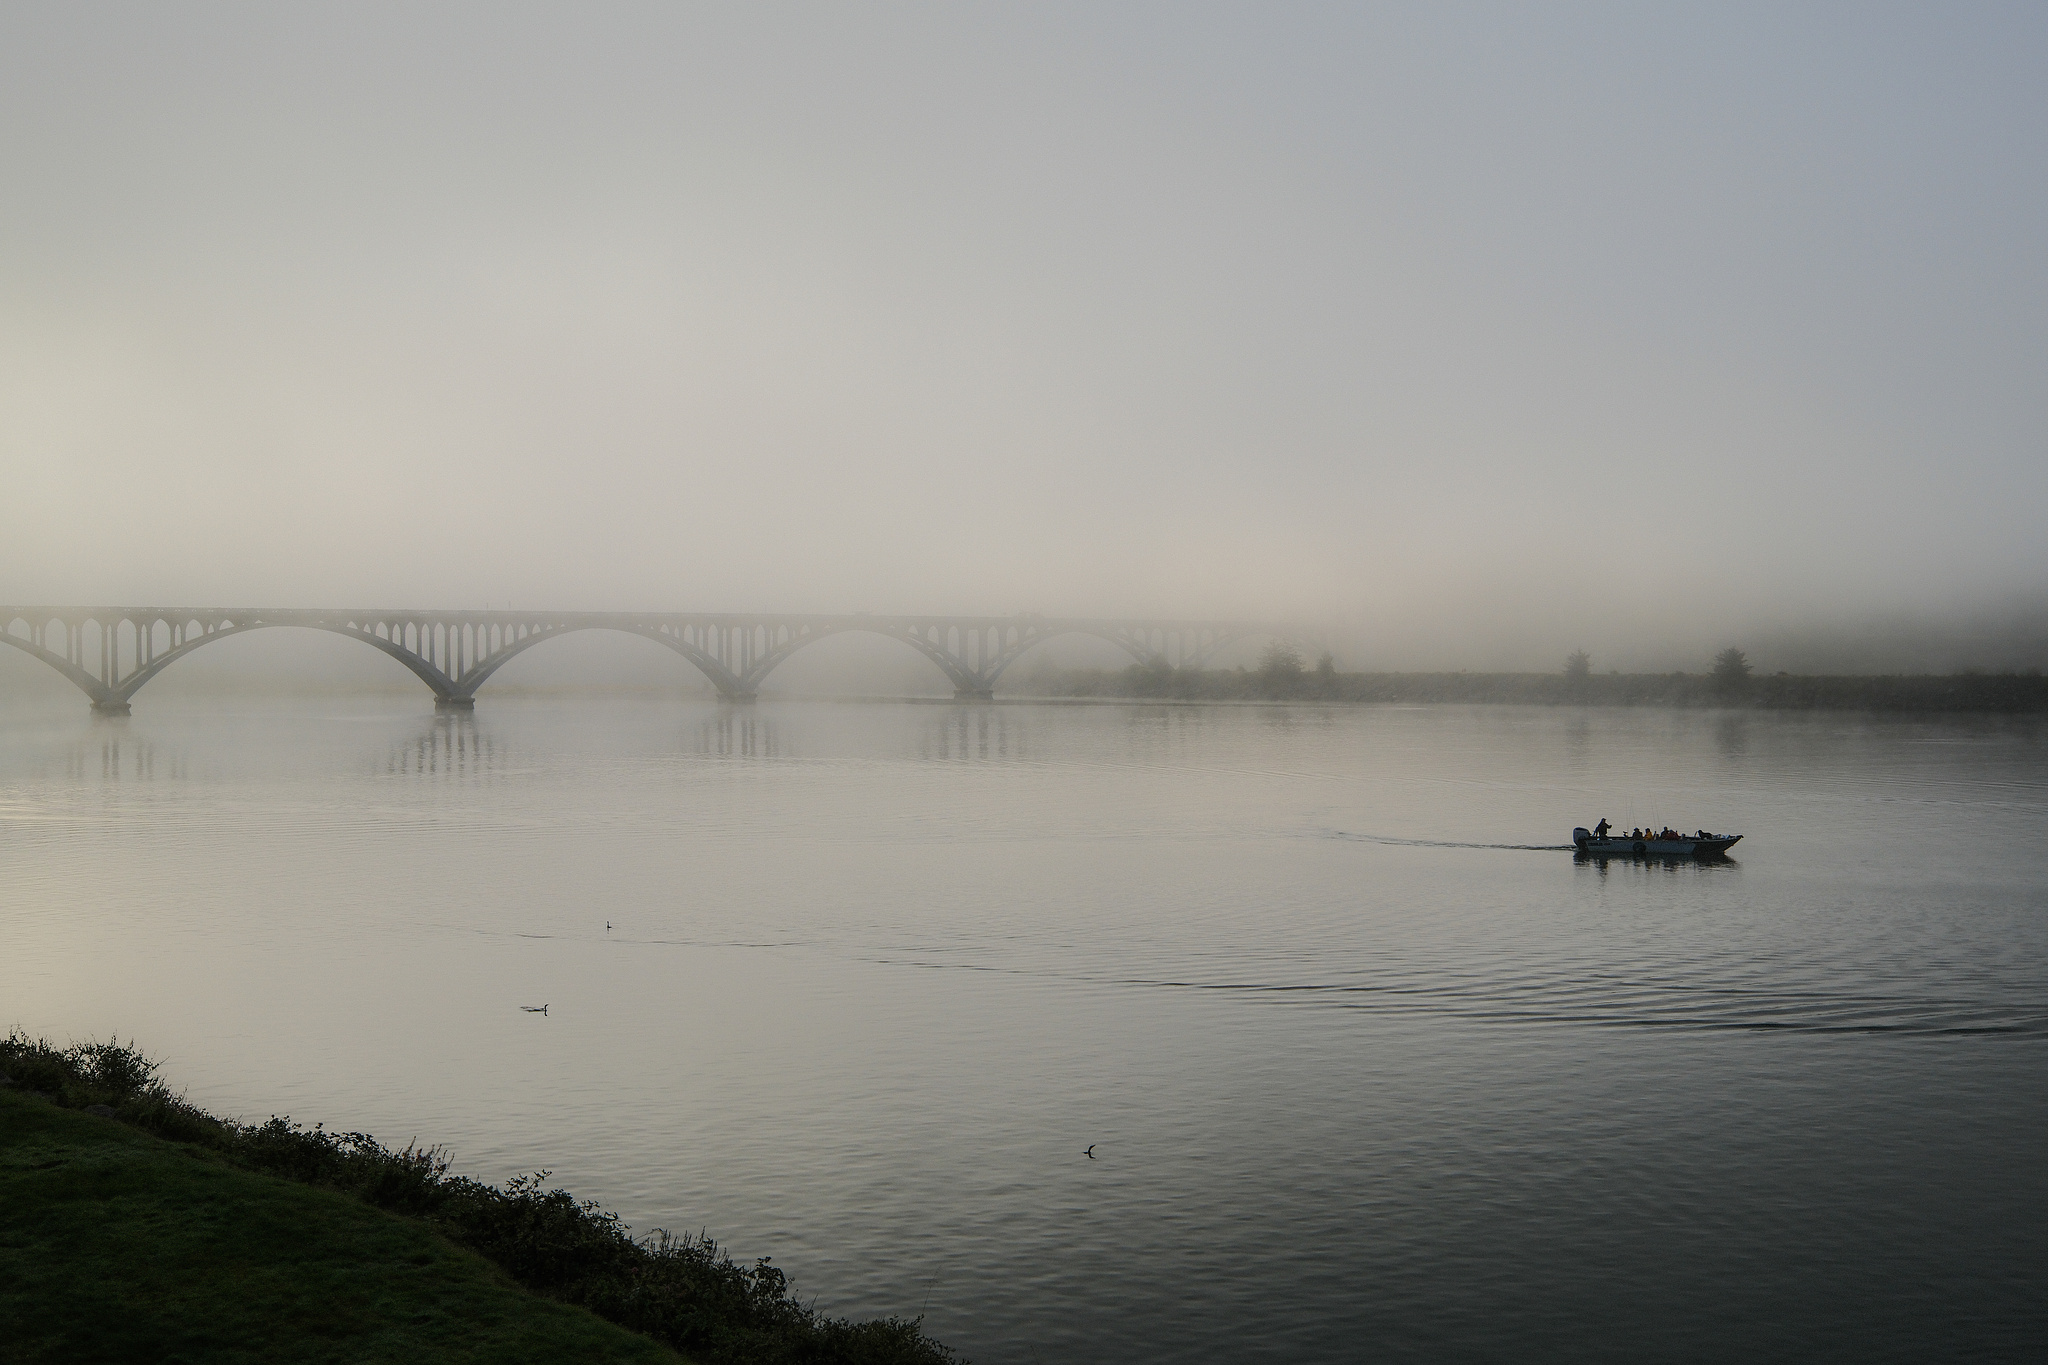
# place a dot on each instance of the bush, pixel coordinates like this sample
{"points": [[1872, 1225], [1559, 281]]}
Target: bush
{"points": [[1280, 669], [682, 1291]]}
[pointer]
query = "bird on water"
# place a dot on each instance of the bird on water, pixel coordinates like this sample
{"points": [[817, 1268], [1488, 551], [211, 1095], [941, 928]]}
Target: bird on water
{"points": [[535, 1009]]}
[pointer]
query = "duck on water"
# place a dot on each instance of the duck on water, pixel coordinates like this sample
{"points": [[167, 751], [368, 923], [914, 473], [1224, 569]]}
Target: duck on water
{"points": [[1650, 843]]}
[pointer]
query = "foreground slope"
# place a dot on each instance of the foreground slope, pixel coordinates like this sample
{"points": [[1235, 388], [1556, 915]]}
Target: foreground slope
{"points": [[115, 1245]]}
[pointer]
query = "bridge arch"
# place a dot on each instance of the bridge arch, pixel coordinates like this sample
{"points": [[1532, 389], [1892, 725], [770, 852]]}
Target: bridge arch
{"points": [[721, 677], [114, 698], [965, 681], [1023, 635], [1141, 652], [417, 666]]}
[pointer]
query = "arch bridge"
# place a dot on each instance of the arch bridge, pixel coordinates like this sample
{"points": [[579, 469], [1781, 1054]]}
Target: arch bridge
{"points": [[111, 652]]}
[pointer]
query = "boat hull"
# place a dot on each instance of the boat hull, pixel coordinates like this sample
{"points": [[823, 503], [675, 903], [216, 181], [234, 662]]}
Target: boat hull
{"points": [[1715, 847]]}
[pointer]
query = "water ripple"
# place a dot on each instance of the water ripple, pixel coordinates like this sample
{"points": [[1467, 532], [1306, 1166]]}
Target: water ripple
{"points": [[1638, 1004]]}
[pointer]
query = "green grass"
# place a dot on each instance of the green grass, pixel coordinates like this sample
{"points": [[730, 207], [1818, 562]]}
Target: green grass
{"points": [[174, 1235], [119, 1246]]}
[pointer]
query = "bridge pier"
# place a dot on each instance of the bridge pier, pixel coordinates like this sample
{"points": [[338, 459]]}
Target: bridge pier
{"points": [[455, 703], [974, 694], [741, 697], [110, 708]]}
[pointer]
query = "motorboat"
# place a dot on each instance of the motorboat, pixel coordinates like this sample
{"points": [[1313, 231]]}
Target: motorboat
{"points": [[1664, 843]]}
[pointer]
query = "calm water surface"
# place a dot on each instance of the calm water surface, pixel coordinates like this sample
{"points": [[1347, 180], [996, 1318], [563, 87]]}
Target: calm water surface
{"points": [[1369, 1077]]}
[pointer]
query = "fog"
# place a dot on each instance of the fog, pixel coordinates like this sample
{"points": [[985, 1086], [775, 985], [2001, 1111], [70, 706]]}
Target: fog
{"points": [[1470, 334]]}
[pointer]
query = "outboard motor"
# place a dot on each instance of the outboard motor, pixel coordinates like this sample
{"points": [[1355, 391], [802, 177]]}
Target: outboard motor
{"points": [[1582, 836]]}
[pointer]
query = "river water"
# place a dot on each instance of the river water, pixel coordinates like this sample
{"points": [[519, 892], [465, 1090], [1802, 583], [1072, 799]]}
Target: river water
{"points": [[1371, 1069]]}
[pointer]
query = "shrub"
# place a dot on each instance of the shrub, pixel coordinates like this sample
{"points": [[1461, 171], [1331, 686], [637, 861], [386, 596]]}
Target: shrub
{"points": [[1280, 670], [683, 1291]]}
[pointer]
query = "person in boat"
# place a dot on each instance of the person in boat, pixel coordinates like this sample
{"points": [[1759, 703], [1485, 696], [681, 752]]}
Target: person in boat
{"points": [[1600, 830]]}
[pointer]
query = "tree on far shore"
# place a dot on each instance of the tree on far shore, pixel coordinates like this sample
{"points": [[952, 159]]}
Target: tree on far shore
{"points": [[1731, 669], [1280, 667], [1325, 679], [1578, 666]]}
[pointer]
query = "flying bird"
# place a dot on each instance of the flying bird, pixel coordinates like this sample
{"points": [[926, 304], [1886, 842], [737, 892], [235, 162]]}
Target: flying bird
{"points": [[1090, 1153], [535, 1009]]}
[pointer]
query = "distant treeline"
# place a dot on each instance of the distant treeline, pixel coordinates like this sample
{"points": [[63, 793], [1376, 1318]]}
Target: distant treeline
{"points": [[1962, 692]]}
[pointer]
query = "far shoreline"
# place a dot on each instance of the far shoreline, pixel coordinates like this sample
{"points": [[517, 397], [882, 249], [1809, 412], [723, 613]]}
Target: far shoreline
{"points": [[1921, 694]]}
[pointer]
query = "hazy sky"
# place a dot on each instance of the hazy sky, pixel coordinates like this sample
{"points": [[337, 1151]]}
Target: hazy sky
{"points": [[1486, 330]]}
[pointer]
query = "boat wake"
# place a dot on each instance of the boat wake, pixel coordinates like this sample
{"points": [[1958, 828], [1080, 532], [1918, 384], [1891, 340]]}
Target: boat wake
{"points": [[1620, 1002], [1440, 843], [1582, 996]]}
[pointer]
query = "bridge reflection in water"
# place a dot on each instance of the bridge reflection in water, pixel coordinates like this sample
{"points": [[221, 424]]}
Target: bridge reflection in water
{"points": [[110, 652]]}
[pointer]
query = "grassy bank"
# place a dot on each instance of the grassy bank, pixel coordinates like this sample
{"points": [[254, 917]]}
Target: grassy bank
{"points": [[2003, 693], [118, 1246], [150, 1230]]}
